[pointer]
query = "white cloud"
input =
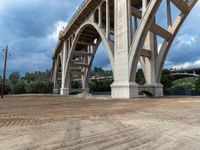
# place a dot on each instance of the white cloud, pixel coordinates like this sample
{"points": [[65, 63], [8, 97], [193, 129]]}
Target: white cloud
{"points": [[188, 65], [186, 39], [58, 26]]}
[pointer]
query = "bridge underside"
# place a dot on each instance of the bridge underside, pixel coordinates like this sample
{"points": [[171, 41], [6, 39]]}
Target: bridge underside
{"points": [[130, 32]]}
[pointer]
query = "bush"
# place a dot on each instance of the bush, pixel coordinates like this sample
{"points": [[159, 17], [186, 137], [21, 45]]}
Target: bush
{"points": [[39, 87], [6, 90], [19, 88], [183, 86], [100, 85], [197, 84], [76, 85]]}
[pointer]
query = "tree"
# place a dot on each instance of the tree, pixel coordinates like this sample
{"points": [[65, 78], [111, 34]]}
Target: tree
{"points": [[197, 83], [39, 87], [166, 78], [14, 77], [6, 90], [183, 86], [19, 88], [140, 77], [29, 77], [1, 79]]}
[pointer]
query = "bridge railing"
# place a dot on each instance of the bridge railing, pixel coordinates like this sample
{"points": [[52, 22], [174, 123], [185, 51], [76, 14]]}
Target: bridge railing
{"points": [[76, 13]]}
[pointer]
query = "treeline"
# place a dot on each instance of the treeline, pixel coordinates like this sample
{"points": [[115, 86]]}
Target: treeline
{"points": [[37, 82], [168, 81]]}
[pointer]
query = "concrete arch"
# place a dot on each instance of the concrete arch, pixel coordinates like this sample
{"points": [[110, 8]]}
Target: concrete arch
{"points": [[167, 44], [56, 75], [100, 5], [108, 44], [140, 36]]}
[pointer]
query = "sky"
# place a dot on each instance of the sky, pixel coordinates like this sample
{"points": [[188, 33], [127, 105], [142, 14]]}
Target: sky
{"points": [[30, 28]]}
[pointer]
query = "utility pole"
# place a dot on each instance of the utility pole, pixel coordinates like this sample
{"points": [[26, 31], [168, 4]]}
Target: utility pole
{"points": [[4, 72]]}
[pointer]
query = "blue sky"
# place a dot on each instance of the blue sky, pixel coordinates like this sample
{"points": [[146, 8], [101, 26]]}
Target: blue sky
{"points": [[30, 28]]}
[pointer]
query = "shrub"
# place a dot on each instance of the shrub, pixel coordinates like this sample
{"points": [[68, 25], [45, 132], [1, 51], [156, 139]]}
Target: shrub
{"points": [[19, 88], [6, 90], [39, 87]]}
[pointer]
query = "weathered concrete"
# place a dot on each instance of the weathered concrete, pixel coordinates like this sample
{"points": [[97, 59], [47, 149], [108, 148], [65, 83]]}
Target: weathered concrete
{"points": [[112, 22]]}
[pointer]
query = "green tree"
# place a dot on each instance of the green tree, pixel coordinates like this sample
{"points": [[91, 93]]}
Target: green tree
{"points": [[39, 87], [1, 79], [166, 78], [183, 86], [140, 77], [6, 90], [19, 88], [197, 83], [29, 77], [14, 77]]}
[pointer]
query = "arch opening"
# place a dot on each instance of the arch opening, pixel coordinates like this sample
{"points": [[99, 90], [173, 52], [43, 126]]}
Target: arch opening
{"points": [[83, 52], [103, 15], [96, 16]]}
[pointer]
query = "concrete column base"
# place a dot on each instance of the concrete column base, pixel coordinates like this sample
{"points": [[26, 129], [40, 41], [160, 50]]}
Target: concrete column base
{"points": [[124, 90], [155, 90], [64, 91], [55, 91], [86, 91]]}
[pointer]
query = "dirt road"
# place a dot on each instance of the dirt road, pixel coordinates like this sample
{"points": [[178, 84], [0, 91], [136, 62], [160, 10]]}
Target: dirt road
{"points": [[53, 122]]}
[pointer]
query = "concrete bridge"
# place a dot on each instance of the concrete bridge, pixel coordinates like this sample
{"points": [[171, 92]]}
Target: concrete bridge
{"points": [[129, 31], [184, 73]]}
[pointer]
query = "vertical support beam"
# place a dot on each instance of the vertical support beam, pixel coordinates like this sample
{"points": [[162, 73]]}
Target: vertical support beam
{"points": [[144, 6], [169, 14], [64, 90], [107, 19], [100, 17], [122, 88], [149, 64], [55, 80], [84, 76]]}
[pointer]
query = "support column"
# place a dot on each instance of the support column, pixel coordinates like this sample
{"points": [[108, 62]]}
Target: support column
{"points": [[122, 87], [169, 15], [107, 19], [149, 64], [64, 90], [100, 18], [85, 88], [85, 84], [55, 82]]}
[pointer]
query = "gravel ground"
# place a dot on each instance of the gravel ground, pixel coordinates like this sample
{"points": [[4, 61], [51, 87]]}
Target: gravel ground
{"points": [[49, 122]]}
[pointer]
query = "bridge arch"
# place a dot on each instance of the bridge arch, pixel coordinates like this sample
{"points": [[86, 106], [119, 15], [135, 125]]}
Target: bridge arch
{"points": [[167, 44], [108, 20], [140, 36], [87, 37], [144, 45]]}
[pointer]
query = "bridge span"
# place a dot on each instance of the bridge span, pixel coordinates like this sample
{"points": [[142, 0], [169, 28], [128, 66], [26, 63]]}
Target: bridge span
{"points": [[129, 30]]}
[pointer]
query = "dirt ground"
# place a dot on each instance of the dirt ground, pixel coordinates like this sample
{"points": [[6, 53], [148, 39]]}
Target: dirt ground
{"points": [[54, 122]]}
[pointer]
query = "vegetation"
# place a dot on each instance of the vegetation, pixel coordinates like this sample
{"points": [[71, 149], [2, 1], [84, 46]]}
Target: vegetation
{"points": [[184, 84], [37, 82]]}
